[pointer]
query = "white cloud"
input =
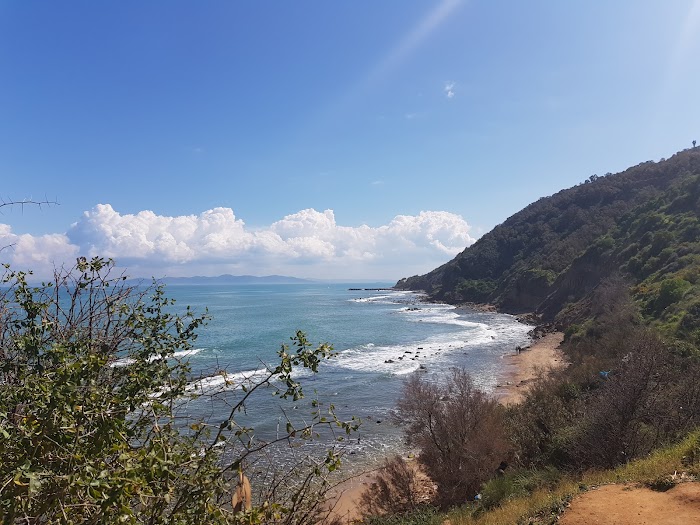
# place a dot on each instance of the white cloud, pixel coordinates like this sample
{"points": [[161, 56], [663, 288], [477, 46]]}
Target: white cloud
{"points": [[41, 253], [308, 243], [449, 89]]}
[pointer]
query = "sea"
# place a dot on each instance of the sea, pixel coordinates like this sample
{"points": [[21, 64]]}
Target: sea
{"points": [[379, 336]]}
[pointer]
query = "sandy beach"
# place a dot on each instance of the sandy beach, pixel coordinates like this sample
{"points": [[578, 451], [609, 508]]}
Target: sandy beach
{"points": [[522, 367], [519, 370], [347, 502]]}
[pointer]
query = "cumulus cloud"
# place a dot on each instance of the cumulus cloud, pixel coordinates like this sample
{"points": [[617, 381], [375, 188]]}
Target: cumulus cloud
{"points": [[449, 89], [41, 253], [308, 243]]}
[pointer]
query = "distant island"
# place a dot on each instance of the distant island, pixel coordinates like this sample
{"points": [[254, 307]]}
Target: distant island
{"points": [[234, 279]]}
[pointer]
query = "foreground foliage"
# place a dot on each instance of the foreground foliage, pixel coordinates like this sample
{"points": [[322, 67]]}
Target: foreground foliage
{"points": [[93, 412]]}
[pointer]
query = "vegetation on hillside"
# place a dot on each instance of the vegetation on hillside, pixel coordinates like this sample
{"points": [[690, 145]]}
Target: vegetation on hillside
{"points": [[641, 224], [615, 263], [626, 393]]}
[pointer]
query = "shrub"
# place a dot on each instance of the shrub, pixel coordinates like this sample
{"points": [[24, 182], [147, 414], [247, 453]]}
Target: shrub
{"points": [[671, 291], [393, 491], [459, 430], [420, 516], [535, 425], [93, 412], [635, 410]]}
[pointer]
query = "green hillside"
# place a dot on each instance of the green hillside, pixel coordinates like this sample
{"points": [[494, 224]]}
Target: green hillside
{"points": [[641, 224]]}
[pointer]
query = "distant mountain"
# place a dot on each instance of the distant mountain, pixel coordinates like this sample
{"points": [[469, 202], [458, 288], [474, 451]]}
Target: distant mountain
{"points": [[235, 279], [641, 224]]}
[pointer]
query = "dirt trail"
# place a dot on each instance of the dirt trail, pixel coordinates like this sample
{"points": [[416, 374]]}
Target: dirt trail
{"points": [[634, 505]]}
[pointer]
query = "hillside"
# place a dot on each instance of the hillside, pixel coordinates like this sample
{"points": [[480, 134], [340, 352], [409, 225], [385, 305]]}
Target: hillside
{"points": [[641, 224]]}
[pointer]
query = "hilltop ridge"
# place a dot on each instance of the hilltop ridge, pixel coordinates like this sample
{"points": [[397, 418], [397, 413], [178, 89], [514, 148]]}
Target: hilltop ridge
{"points": [[640, 225]]}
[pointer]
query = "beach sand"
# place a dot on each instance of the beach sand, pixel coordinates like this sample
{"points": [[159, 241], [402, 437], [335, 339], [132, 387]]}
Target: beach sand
{"points": [[520, 369], [347, 502]]}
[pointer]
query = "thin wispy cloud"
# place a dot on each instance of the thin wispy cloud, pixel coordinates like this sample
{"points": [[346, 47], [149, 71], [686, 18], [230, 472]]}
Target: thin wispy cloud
{"points": [[449, 89], [421, 32], [400, 53]]}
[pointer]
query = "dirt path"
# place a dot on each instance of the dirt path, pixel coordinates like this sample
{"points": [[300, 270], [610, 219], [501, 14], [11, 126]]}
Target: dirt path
{"points": [[633, 505]]}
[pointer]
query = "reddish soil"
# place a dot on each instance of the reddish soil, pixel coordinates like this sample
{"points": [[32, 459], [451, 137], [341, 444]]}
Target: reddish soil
{"points": [[634, 505]]}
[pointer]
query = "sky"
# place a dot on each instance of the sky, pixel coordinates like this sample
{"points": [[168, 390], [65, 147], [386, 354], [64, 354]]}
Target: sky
{"points": [[323, 139]]}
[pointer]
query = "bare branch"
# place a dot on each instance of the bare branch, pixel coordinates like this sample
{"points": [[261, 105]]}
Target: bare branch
{"points": [[30, 201]]}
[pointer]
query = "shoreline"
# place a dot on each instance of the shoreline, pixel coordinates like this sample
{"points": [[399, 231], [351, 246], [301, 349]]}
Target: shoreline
{"points": [[519, 370], [524, 366]]}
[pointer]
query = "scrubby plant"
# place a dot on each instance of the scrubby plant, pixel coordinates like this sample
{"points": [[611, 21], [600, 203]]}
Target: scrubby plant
{"points": [[419, 516], [393, 490], [94, 425], [459, 430]]}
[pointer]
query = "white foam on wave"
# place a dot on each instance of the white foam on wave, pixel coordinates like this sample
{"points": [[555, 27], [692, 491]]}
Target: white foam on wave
{"points": [[223, 380], [394, 297], [188, 353], [439, 314], [177, 355], [408, 357], [227, 381]]}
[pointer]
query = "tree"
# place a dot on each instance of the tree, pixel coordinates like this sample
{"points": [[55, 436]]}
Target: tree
{"points": [[459, 430], [638, 407], [93, 412], [393, 491]]}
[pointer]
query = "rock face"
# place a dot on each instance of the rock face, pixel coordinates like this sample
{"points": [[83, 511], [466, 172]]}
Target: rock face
{"points": [[555, 251]]}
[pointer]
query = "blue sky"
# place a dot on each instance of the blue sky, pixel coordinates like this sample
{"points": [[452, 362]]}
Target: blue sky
{"points": [[321, 138]]}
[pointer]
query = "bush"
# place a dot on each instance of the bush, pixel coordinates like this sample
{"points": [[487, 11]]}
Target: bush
{"points": [[393, 491], [671, 291], [536, 425], [93, 412], [518, 483], [636, 409], [420, 516], [460, 433]]}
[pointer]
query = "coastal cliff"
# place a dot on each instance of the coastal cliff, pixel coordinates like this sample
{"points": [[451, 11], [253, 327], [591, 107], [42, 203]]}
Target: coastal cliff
{"points": [[640, 225]]}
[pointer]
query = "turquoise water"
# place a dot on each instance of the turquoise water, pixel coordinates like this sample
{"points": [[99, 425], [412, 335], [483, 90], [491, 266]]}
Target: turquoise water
{"points": [[367, 330]]}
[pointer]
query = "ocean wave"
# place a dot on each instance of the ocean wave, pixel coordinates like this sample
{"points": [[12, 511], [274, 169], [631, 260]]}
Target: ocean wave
{"points": [[440, 314], [394, 297], [401, 359], [223, 380], [125, 361]]}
